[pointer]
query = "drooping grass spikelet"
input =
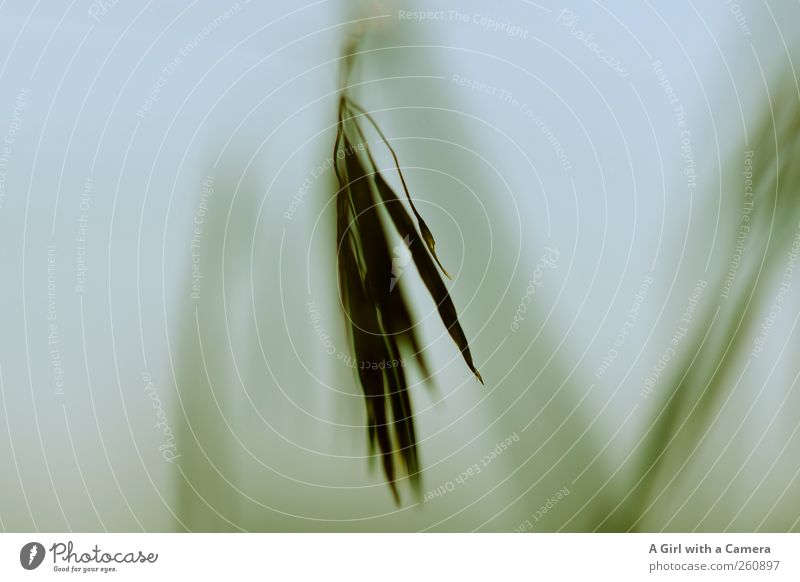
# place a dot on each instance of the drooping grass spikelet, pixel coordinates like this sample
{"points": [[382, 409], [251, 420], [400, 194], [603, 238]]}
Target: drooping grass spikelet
{"points": [[379, 319]]}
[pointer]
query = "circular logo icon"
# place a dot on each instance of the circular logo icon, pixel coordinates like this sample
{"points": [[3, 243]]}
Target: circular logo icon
{"points": [[31, 555]]}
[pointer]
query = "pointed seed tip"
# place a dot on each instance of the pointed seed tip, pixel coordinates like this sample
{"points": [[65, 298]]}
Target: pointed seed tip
{"points": [[395, 494], [438, 262]]}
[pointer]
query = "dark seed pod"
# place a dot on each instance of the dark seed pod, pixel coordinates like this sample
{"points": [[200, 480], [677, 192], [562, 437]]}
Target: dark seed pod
{"points": [[379, 319]]}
